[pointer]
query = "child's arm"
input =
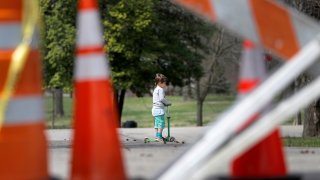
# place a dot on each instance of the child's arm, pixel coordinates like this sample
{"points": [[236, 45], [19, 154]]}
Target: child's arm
{"points": [[166, 102], [163, 99]]}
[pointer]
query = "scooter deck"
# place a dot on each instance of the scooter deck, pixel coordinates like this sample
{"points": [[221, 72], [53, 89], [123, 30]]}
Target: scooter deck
{"points": [[148, 140]]}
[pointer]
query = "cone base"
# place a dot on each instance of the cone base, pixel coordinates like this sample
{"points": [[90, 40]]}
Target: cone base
{"points": [[265, 159], [23, 152]]}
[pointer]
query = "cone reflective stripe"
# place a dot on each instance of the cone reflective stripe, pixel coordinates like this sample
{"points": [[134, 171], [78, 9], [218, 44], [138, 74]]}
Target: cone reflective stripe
{"points": [[96, 147], [11, 35], [23, 146], [266, 158], [248, 72]]}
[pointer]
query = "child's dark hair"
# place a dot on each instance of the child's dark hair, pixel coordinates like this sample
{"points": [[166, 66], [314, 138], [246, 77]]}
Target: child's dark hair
{"points": [[160, 78]]}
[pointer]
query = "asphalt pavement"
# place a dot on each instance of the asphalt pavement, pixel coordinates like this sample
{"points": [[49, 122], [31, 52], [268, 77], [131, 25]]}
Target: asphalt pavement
{"points": [[145, 160]]}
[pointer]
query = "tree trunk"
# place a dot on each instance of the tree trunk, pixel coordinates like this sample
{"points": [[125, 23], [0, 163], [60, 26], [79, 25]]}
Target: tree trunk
{"points": [[187, 92], [190, 95], [58, 102], [199, 113], [199, 104], [297, 119], [311, 126], [121, 98], [71, 94], [53, 110]]}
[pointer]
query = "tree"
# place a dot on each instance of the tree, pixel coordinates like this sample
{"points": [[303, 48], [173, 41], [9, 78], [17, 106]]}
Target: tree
{"points": [[149, 36], [126, 23], [311, 124], [142, 38], [223, 50], [57, 47]]}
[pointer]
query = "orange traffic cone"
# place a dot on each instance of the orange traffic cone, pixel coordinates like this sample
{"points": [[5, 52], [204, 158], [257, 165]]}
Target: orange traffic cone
{"points": [[266, 158], [96, 147], [23, 146]]}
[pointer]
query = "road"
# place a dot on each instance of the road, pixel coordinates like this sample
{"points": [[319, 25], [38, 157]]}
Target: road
{"points": [[145, 160]]}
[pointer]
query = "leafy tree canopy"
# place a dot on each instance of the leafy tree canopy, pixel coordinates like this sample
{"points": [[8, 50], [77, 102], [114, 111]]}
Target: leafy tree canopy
{"points": [[58, 41], [142, 38], [149, 36]]}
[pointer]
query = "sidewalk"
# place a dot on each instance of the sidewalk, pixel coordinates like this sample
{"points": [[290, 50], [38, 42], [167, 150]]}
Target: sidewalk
{"points": [[291, 131], [145, 160]]}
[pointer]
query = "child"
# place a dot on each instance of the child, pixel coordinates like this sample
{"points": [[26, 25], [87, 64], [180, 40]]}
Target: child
{"points": [[159, 103]]}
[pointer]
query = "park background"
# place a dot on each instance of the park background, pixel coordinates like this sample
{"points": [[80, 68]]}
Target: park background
{"points": [[201, 61]]}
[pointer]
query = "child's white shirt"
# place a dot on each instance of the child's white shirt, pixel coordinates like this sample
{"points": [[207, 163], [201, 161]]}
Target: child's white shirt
{"points": [[159, 101]]}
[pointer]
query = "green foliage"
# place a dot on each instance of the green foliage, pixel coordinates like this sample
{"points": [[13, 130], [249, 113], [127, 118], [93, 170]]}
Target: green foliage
{"points": [[142, 38], [149, 36], [57, 41], [129, 20], [126, 26], [179, 37]]}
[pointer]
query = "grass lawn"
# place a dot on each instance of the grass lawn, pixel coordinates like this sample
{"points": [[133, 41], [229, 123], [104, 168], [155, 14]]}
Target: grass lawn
{"points": [[301, 142], [183, 113], [59, 123]]}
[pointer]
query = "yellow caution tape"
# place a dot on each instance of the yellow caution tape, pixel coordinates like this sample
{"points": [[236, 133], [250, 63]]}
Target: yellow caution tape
{"points": [[20, 54]]}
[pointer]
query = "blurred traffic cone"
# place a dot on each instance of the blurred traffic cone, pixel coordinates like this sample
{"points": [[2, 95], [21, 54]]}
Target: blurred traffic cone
{"points": [[266, 158], [23, 146], [96, 147]]}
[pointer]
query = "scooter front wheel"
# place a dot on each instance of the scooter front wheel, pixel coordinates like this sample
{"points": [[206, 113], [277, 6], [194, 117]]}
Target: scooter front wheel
{"points": [[172, 139]]}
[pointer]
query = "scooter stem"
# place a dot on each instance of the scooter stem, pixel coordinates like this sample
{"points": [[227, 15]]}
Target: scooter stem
{"points": [[168, 118]]}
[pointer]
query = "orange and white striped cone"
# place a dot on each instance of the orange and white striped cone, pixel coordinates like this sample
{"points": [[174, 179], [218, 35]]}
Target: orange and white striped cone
{"points": [[23, 146], [266, 158], [96, 147]]}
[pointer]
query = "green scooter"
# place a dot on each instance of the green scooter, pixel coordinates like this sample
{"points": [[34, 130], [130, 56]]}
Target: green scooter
{"points": [[166, 139]]}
